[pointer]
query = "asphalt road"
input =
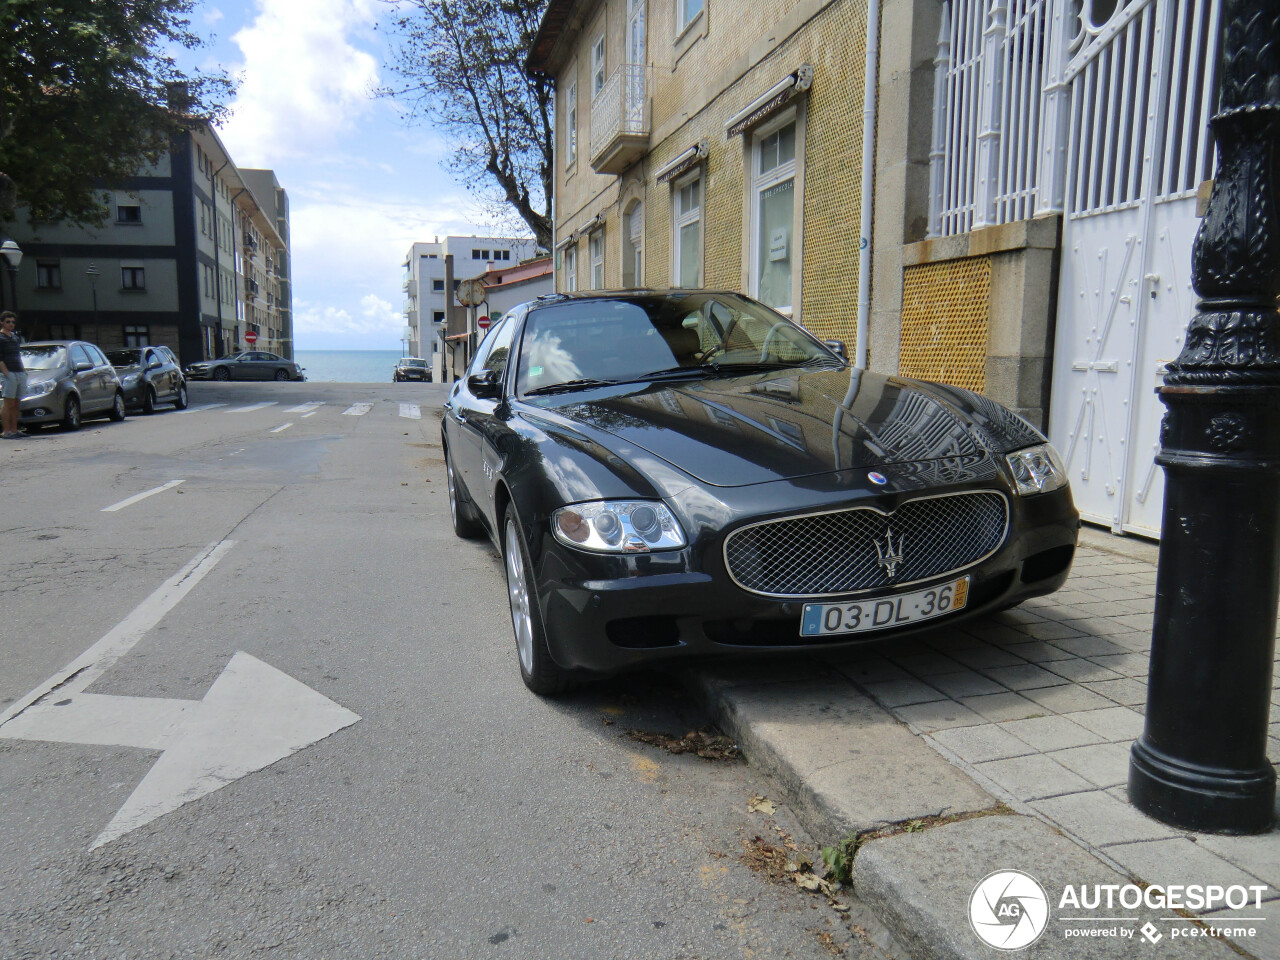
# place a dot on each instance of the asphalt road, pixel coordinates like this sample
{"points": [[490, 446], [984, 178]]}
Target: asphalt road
{"points": [[274, 710]]}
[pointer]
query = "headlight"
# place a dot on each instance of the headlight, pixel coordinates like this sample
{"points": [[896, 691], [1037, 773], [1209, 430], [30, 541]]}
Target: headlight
{"points": [[130, 380], [618, 526], [39, 388], [1037, 469]]}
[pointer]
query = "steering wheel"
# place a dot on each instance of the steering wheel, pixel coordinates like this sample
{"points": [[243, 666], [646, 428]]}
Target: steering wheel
{"points": [[768, 341]]}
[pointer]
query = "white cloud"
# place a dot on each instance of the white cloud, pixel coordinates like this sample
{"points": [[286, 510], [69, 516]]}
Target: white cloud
{"points": [[213, 16], [303, 81]]}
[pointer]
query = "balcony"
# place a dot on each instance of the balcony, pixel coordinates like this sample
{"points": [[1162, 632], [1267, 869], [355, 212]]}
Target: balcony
{"points": [[620, 120], [411, 287]]}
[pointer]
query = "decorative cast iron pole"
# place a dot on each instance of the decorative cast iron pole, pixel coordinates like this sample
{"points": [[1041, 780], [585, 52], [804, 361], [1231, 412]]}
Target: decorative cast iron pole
{"points": [[1202, 761]]}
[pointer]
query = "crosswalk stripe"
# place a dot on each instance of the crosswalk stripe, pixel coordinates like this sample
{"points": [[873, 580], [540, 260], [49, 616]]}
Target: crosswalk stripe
{"points": [[203, 406], [411, 411], [253, 406], [306, 407], [357, 410], [283, 426]]}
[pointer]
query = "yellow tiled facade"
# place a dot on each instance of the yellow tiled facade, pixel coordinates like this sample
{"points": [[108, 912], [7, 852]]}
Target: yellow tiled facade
{"points": [[695, 80]]}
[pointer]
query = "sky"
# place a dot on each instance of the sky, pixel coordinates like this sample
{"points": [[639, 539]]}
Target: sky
{"points": [[363, 184]]}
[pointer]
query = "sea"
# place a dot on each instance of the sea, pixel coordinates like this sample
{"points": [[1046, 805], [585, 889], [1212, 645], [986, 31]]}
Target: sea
{"points": [[347, 366]]}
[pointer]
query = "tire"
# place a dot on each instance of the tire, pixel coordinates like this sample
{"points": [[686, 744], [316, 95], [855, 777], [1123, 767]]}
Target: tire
{"points": [[71, 414], [118, 409], [149, 401], [180, 401], [282, 375], [221, 373], [539, 672], [464, 525]]}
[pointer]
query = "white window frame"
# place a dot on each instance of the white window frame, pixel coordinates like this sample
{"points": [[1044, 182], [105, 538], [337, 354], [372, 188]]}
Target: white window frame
{"points": [[595, 250], [683, 22], [598, 75], [760, 182], [680, 220], [571, 125], [571, 268]]}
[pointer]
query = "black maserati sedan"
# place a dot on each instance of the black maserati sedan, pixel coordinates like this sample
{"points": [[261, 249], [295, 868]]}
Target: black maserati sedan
{"points": [[689, 473]]}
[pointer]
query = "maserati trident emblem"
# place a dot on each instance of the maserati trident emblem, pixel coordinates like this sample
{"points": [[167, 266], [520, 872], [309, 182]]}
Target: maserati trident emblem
{"points": [[889, 552]]}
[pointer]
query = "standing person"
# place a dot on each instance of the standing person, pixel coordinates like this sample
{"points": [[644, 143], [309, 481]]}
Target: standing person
{"points": [[13, 374]]}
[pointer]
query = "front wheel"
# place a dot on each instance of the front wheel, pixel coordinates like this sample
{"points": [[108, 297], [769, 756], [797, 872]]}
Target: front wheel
{"points": [[149, 401], [180, 401], [117, 411], [222, 373], [540, 673], [71, 414]]}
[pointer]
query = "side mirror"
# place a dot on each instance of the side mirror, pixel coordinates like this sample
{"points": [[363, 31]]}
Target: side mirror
{"points": [[154, 365], [485, 386], [83, 365], [838, 348]]}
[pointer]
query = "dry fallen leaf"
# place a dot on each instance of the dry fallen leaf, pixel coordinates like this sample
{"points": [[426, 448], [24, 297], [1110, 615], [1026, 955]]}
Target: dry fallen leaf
{"points": [[759, 804]]}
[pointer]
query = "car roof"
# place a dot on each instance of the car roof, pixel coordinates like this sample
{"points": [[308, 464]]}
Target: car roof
{"points": [[632, 293]]}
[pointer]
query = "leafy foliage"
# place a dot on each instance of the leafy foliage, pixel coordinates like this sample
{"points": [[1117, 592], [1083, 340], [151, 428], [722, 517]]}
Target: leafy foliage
{"points": [[85, 99], [461, 63]]}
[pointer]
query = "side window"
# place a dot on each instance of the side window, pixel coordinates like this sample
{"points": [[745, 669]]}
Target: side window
{"points": [[500, 352], [80, 355], [482, 352], [97, 356]]}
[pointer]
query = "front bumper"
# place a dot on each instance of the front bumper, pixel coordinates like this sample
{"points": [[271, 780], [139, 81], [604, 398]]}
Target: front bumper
{"points": [[604, 614]]}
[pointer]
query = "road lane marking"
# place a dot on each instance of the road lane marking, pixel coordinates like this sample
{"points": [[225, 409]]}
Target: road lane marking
{"points": [[252, 716], [305, 415], [357, 410], [311, 407], [140, 496], [203, 406], [411, 411], [253, 406], [283, 426]]}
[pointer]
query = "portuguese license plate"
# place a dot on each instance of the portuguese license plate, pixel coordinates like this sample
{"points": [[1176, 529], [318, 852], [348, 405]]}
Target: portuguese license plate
{"points": [[826, 619]]}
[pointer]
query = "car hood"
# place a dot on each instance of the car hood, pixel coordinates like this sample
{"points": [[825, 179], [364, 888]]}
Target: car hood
{"points": [[765, 427]]}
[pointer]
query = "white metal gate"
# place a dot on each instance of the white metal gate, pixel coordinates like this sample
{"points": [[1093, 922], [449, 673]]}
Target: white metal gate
{"points": [[1141, 74]]}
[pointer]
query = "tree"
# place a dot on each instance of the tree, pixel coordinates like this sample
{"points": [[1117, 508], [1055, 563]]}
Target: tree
{"points": [[89, 93], [462, 66]]}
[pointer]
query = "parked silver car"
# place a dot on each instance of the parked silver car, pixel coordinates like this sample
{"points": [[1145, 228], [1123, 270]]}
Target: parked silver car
{"points": [[149, 376], [68, 380], [250, 365]]}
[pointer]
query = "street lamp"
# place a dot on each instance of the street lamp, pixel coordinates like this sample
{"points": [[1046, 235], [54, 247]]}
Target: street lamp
{"points": [[93, 273], [13, 256]]}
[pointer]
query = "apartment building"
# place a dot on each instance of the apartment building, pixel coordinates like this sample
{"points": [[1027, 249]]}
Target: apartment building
{"points": [[426, 300], [194, 255], [710, 143]]}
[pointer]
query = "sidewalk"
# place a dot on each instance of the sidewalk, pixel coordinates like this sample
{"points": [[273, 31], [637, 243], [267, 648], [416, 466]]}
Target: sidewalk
{"points": [[1034, 708]]}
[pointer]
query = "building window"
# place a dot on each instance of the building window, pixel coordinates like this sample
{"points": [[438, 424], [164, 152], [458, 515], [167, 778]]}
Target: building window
{"points": [[128, 212], [475, 253], [633, 247], [571, 125], [64, 331], [49, 274], [596, 248], [597, 65], [207, 272], [571, 267], [437, 286], [437, 316], [502, 254], [689, 10], [133, 278], [773, 166], [688, 227], [137, 336]]}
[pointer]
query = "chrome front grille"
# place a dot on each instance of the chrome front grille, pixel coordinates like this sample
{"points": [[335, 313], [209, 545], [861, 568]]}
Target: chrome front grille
{"points": [[824, 554]]}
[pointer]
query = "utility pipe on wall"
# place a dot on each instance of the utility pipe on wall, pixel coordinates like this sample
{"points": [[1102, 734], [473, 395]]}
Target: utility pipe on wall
{"points": [[871, 82]]}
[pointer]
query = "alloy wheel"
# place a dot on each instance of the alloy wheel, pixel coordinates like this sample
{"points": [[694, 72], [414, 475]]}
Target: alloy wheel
{"points": [[518, 592]]}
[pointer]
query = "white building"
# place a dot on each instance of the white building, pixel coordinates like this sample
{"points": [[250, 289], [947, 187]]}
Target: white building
{"points": [[424, 282]]}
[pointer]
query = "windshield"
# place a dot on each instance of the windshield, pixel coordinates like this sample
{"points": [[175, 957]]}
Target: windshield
{"points": [[580, 343], [124, 358], [412, 362], [47, 357]]}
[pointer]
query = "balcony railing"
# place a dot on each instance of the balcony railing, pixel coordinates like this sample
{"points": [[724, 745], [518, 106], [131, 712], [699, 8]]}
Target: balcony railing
{"points": [[620, 120]]}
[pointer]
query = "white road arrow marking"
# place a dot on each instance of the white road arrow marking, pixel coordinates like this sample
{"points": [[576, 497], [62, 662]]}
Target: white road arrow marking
{"points": [[140, 496], [411, 411], [252, 716], [357, 409]]}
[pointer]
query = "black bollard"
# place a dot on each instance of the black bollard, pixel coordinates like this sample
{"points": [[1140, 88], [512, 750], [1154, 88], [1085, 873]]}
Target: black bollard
{"points": [[1201, 763]]}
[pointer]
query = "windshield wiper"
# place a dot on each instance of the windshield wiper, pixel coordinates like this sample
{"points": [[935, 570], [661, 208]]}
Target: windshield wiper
{"points": [[570, 385]]}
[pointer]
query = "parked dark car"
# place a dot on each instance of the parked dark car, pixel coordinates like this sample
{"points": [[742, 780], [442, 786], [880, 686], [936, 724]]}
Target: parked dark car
{"points": [[412, 368], [249, 365], [149, 376], [68, 380], [691, 473]]}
